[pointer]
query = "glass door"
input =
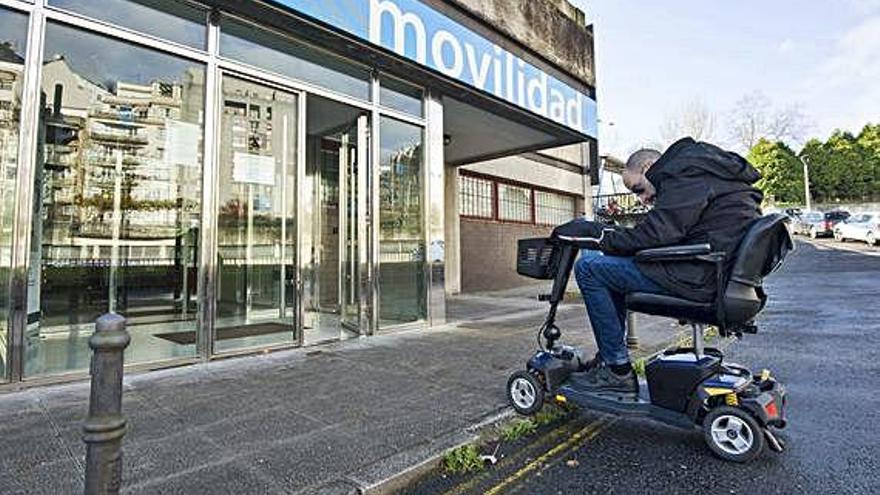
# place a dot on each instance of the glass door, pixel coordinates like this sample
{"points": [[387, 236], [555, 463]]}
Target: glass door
{"points": [[334, 202], [256, 216]]}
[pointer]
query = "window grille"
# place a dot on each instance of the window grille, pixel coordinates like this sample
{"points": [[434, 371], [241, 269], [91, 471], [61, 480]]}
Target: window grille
{"points": [[552, 208], [476, 197], [514, 203]]}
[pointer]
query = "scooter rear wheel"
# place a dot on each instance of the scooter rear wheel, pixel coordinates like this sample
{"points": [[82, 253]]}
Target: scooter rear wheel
{"points": [[525, 392], [733, 434]]}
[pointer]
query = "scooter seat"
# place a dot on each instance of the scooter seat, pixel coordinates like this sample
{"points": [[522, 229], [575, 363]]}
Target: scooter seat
{"points": [[672, 307]]}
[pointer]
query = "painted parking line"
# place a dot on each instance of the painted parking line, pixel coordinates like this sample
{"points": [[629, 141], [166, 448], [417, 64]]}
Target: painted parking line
{"points": [[576, 441]]}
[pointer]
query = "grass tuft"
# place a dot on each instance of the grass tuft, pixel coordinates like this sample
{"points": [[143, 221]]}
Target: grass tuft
{"points": [[639, 367], [464, 459], [519, 429]]}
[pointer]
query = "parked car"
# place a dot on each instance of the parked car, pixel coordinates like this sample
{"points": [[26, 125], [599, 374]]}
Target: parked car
{"points": [[860, 227], [817, 224], [793, 213]]}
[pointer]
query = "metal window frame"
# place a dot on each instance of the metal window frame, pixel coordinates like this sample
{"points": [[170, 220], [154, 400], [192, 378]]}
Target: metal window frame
{"points": [[26, 159]]}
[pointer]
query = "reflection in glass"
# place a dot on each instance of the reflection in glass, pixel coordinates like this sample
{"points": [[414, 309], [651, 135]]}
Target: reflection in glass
{"points": [[116, 220], [13, 32], [333, 213], [400, 96], [402, 287], [256, 217], [254, 46], [173, 20]]}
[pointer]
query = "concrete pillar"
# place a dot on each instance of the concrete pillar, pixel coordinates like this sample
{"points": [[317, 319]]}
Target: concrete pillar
{"points": [[437, 248], [586, 162], [453, 233]]}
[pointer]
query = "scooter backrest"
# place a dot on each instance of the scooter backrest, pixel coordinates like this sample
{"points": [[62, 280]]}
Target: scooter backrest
{"points": [[761, 251]]}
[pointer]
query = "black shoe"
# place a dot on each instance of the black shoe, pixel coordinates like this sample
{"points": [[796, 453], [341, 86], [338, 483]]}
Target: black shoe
{"points": [[602, 379], [591, 365]]}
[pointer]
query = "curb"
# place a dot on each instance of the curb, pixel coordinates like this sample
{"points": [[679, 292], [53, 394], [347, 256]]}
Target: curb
{"points": [[404, 468]]}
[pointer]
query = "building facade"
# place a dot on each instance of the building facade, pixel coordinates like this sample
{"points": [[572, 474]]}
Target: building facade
{"points": [[236, 176]]}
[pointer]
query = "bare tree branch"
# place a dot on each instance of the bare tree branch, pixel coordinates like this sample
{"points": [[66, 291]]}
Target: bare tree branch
{"points": [[692, 118], [753, 118]]}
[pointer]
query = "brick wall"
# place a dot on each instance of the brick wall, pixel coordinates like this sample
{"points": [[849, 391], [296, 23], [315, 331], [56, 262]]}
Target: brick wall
{"points": [[488, 254]]}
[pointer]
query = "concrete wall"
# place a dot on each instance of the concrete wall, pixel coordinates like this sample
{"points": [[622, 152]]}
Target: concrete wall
{"points": [[488, 254], [522, 169], [572, 153], [554, 29]]}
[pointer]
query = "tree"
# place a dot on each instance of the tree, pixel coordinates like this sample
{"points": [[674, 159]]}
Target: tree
{"points": [[869, 142], [692, 119], [753, 118], [845, 167], [782, 176], [824, 182], [846, 161]]}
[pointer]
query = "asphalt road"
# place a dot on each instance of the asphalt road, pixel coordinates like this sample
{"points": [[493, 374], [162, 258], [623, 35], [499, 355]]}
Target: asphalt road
{"points": [[820, 335]]}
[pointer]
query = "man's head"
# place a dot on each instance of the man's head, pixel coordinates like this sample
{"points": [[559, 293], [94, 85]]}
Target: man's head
{"points": [[634, 174]]}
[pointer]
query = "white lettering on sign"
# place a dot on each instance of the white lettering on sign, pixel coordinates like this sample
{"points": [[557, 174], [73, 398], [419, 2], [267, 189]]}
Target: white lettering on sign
{"points": [[510, 80]]}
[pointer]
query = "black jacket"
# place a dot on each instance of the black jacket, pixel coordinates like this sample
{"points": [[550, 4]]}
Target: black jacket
{"points": [[704, 195]]}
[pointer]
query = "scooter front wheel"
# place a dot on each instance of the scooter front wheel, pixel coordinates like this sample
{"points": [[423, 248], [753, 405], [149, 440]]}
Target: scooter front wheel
{"points": [[733, 434], [525, 392]]}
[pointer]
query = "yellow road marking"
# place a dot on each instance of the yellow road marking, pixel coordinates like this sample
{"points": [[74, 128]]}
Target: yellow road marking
{"points": [[577, 439], [467, 487]]}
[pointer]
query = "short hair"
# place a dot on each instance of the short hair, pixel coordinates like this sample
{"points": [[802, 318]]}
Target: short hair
{"points": [[642, 159]]}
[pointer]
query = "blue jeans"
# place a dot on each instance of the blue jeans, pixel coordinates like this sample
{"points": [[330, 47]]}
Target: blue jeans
{"points": [[604, 282]]}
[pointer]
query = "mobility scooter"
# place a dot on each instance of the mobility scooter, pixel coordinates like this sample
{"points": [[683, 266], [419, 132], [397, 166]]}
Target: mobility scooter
{"points": [[691, 387]]}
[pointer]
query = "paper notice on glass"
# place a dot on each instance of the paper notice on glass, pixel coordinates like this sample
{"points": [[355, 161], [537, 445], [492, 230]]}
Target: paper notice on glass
{"points": [[253, 169], [182, 143]]}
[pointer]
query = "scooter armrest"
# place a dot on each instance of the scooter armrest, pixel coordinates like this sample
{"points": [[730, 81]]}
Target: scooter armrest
{"points": [[674, 253]]}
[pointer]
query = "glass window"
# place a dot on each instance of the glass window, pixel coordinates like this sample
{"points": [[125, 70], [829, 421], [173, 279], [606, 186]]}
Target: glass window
{"points": [[402, 283], [13, 33], [173, 20], [476, 198], [400, 96], [552, 208], [514, 203], [260, 48], [117, 207], [256, 216]]}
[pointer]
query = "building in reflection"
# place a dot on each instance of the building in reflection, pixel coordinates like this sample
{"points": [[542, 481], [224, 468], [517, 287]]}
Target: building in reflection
{"points": [[119, 194], [11, 71], [125, 149]]}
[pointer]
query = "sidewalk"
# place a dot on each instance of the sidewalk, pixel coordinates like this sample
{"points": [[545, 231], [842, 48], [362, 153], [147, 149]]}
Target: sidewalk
{"points": [[331, 419]]}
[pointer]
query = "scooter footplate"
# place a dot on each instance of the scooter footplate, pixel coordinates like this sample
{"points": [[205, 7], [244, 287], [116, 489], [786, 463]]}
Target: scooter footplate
{"points": [[612, 402]]}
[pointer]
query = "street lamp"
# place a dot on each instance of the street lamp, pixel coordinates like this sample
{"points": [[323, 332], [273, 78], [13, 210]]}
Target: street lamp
{"points": [[806, 182]]}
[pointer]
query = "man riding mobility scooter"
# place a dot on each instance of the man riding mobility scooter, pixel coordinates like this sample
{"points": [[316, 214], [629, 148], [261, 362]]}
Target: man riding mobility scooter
{"points": [[689, 387]]}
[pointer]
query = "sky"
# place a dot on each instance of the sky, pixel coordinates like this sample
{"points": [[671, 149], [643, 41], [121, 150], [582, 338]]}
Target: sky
{"points": [[653, 57]]}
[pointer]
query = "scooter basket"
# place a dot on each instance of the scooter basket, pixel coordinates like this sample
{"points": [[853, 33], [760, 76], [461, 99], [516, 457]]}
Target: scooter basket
{"points": [[537, 258]]}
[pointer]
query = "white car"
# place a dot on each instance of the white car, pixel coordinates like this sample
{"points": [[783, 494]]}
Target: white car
{"points": [[860, 227]]}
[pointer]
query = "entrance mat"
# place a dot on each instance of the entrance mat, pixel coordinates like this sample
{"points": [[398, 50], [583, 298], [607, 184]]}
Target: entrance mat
{"points": [[189, 337]]}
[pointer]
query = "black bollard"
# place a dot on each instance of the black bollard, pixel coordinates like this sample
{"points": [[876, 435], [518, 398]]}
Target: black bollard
{"points": [[105, 425]]}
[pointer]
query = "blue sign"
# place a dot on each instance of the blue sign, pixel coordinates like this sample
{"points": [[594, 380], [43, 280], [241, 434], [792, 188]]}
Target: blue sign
{"points": [[420, 33]]}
